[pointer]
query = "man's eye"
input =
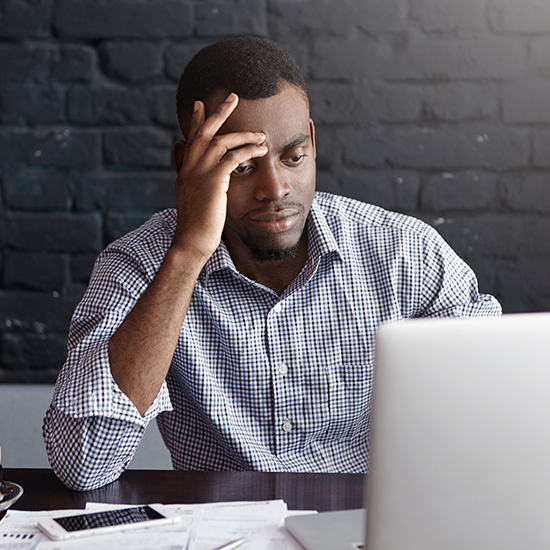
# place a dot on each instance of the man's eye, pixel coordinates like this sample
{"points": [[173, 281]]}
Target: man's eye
{"points": [[296, 159], [242, 169]]}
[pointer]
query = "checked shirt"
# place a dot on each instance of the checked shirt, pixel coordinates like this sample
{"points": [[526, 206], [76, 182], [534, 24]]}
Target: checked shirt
{"points": [[257, 381]]}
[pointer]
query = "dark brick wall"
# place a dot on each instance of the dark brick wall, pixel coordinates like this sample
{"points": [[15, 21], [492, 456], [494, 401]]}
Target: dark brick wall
{"points": [[437, 108]]}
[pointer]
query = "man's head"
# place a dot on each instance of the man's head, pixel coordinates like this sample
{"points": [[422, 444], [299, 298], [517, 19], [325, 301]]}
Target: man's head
{"points": [[251, 67], [269, 197]]}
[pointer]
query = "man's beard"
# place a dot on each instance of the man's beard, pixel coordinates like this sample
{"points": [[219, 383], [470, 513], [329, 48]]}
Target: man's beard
{"points": [[273, 254], [271, 249]]}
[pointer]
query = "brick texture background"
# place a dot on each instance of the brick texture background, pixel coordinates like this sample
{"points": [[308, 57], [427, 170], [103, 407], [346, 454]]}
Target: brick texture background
{"points": [[435, 108]]}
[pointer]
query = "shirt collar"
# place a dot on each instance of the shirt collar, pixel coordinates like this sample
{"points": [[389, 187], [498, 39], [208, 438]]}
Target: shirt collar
{"points": [[321, 241], [218, 261]]}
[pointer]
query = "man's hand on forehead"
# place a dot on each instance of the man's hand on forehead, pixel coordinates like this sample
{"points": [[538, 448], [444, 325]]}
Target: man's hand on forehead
{"points": [[204, 164], [204, 137]]}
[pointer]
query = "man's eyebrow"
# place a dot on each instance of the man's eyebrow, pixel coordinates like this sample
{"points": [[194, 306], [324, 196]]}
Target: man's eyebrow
{"points": [[295, 142]]}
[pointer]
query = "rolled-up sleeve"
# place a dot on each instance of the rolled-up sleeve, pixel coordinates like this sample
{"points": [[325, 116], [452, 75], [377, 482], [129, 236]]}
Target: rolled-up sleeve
{"points": [[449, 286], [92, 429]]}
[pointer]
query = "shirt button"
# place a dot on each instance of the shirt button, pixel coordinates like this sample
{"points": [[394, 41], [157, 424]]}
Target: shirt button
{"points": [[277, 308], [287, 426], [283, 369]]}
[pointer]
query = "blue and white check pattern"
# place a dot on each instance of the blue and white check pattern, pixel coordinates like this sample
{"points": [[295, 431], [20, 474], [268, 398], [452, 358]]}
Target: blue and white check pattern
{"points": [[257, 381]]}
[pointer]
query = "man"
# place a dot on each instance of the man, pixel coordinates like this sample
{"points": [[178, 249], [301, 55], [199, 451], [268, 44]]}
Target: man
{"points": [[245, 323]]}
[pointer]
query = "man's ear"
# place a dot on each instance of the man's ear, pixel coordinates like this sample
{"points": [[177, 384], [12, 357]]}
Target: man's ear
{"points": [[312, 136], [178, 153]]}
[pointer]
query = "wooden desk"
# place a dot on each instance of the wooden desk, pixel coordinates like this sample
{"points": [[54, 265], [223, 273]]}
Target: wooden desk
{"points": [[43, 491]]}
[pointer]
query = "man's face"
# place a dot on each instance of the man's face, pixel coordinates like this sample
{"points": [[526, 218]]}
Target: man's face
{"points": [[269, 197]]}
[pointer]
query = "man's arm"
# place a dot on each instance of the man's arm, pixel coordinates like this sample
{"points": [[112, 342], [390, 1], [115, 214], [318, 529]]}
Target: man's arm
{"points": [[86, 453], [141, 349], [127, 326], [449, 286], [92, 429]]}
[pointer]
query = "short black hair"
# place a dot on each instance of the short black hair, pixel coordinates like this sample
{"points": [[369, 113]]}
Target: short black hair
{"points": [[249, 66]]}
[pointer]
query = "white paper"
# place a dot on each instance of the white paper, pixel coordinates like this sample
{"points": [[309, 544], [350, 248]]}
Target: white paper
{"points": [[190, 517], [203, 527], [222, 523], [216, 524], [19, 530]]}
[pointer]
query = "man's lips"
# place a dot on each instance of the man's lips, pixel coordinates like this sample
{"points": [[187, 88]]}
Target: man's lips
{"points": [[273, 215], [275, 221]]}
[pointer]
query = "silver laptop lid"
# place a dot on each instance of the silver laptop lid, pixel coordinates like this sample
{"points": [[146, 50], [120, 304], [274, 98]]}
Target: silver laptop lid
{"points": [[460, 435]]}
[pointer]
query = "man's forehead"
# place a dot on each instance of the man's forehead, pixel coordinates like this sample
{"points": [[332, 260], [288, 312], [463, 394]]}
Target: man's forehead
{"points": [[282, 118], [285, 98]]}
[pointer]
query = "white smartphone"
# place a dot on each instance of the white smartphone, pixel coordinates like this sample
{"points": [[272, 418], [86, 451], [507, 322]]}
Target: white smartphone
{"points": [[107, 522]]}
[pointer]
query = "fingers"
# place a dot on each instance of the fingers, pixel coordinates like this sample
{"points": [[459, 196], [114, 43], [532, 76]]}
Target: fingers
{"points": [[197, 120], [220, 115], [235, 157], [205, 171], [223, 154], [221, 146], [202, 129], [206, 149]]}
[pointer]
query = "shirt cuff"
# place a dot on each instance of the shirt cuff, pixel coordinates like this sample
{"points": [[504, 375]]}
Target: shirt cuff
{"points": [[86, 388]]}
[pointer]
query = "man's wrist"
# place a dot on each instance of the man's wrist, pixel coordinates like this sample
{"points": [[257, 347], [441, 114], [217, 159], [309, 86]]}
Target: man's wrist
{"points": [[187, 259]]}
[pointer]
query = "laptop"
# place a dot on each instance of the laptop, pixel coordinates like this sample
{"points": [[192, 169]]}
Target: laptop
{"points": [[459, 440]]}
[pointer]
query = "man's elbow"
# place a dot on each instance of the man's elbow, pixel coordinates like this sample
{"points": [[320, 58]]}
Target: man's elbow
{"points": [[68, 451], [79, 479]]}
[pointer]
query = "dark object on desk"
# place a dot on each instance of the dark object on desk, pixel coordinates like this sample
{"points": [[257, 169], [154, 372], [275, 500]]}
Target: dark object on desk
{"points": [[10, 493]]}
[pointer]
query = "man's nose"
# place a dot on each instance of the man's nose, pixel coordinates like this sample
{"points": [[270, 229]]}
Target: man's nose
{"points": [[271, 184]]}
